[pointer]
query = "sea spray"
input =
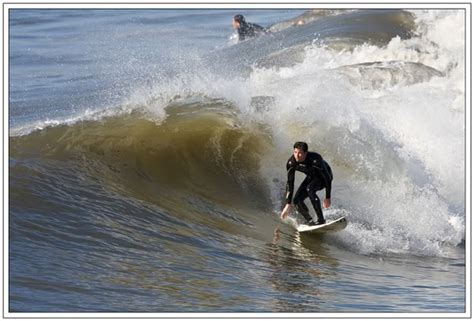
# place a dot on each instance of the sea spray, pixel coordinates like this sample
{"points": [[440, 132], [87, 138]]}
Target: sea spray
{"points": [[402, 171]]}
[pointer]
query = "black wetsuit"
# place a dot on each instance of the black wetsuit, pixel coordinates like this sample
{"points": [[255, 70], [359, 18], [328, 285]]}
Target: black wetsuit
{"points": [[318, 176], [249, 30]]}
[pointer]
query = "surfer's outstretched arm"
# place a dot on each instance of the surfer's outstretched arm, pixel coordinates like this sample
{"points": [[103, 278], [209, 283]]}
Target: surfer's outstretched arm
{"points": [[290, 184]]}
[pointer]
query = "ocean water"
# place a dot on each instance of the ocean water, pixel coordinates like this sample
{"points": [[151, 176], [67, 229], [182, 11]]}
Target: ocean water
{"points": [[147, 153]]}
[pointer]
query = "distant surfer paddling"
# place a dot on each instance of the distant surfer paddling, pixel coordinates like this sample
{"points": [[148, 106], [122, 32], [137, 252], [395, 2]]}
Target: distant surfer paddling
{"points": [[318, 176], [246, 29]]}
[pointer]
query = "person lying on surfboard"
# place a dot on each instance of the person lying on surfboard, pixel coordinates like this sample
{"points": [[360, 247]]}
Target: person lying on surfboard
{"points": [[318, 176], [246, 29]]}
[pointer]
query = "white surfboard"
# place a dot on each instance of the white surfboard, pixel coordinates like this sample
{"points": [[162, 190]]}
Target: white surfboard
{"points": [[329, 226]]}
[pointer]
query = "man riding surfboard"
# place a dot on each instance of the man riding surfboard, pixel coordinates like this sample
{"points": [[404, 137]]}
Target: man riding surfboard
{"points": [[318, 176]]}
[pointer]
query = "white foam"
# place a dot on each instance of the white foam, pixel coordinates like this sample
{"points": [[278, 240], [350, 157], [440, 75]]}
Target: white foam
{"points": [[397, 150]]}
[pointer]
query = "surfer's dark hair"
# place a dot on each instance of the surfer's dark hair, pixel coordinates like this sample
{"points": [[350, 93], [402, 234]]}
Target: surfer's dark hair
{"points": [[301, 145], [239, 18]]}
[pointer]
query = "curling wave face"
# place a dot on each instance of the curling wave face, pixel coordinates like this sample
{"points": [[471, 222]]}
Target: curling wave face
{"points": [[196, 151]]}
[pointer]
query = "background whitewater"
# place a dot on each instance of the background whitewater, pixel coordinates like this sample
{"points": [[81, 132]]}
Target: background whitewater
{"points": [[396, 142]]}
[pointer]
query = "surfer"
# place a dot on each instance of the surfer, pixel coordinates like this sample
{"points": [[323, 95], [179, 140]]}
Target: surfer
{"points": [[318, 176], [246, 29]]}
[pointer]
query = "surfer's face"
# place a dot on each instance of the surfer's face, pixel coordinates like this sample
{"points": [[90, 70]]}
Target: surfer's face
{"points": [[299, 155], [235, 24]]}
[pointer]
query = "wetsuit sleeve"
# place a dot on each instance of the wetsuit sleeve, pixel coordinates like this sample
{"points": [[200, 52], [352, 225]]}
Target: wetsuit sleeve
{"points": [[320, 165], [290, 184], [327, 179]]}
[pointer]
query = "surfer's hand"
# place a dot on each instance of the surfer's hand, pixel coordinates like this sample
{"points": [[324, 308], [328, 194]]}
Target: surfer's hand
{"points": [[326, 202], [285, 211]]}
